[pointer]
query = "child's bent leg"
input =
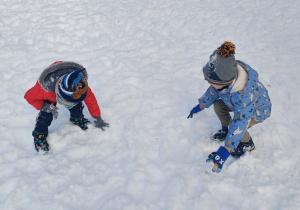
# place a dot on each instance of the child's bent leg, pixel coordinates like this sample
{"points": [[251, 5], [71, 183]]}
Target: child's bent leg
{"points": [[247, 136], [40, 132], [246, 143], [76, 111], [77, 116], [222, 111], [43, 121]]}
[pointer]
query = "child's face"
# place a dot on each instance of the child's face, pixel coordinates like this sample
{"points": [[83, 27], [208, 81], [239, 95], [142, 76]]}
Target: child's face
{"points": [[217, 86], [80, 88]]}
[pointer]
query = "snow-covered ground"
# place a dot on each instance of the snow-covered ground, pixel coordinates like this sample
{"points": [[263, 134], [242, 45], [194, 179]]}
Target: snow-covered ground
{"points": [[144, 60]]}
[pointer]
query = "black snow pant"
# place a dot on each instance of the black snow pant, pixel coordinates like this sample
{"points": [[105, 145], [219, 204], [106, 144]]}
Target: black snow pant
{"points": [[44, 119]]}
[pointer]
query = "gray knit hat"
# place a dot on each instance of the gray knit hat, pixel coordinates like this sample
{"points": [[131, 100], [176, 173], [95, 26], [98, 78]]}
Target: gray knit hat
{"points": [[221, 69]]}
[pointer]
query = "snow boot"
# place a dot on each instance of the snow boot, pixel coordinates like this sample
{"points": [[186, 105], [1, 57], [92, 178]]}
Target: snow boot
{"points": [[40, 141], [242, 148], [220, 135], [80, 121]]}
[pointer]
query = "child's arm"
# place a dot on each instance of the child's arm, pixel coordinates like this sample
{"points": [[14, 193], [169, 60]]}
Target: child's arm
{"points": [[228, 148], [209, 97], [239, 125], [35, 96], [92, 104], [94, 110]]}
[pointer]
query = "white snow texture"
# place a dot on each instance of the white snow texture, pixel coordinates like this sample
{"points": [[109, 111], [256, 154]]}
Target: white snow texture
{"points": [[144, 60]]}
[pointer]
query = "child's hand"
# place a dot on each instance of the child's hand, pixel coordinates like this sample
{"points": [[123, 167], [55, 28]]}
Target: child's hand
{"points": [[99, 123], [50, 107], [195, 110], [218, 158]]}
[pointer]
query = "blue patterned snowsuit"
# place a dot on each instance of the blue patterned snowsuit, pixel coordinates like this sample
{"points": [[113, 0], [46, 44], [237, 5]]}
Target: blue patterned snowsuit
{"points": [[251, 103]]}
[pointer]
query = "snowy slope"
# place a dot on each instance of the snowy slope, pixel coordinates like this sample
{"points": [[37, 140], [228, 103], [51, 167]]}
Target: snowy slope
{"points": [[144, 60]]}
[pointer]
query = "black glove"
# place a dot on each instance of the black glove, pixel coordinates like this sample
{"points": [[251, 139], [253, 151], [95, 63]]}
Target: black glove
{"points": [[99, 123]]}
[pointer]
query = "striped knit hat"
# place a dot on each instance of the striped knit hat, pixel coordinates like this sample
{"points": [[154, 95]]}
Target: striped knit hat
{"points": [[73, 86], [221, 69]]}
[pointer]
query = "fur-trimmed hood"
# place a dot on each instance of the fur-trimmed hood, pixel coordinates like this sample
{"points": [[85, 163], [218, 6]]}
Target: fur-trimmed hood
{"points": [[50, 75]]}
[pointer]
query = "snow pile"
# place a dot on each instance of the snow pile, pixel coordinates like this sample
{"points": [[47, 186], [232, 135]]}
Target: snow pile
{"points": [[144, 60]]}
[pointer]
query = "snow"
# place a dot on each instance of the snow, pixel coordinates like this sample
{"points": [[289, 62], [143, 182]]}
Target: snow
{"points": [[144, 60]]}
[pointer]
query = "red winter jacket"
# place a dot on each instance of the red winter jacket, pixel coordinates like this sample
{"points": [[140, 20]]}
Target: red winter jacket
{"points": [[37, 95]]}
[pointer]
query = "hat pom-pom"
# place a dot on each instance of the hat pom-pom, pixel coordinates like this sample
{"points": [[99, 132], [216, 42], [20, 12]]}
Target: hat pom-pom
{"points": [[226, 49]]}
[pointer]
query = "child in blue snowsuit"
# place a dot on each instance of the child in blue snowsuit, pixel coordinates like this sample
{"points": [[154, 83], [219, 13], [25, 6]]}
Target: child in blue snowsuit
{"points": [[235, 87]]}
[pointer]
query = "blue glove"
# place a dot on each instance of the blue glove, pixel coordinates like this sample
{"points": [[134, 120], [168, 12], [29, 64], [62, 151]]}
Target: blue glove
{"points": [[218, 158], [195, 110]]}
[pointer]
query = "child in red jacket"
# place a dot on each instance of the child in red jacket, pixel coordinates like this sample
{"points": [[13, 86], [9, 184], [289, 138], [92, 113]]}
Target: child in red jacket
{"points": [[65, 83]]}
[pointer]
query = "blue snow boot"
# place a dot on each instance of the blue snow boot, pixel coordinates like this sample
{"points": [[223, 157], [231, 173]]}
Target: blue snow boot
{"points": [[242, 148], [221, 134], [80, 121], [40, 141]]}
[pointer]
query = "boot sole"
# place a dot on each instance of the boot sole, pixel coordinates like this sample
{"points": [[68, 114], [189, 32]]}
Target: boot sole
{"points": [[249, 149]]}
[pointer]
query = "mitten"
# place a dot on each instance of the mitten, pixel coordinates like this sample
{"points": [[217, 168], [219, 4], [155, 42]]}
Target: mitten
{"points": [[218, 158], [40, 141], [50, 107], [80, 121], [195, 110], [99, 123]]}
